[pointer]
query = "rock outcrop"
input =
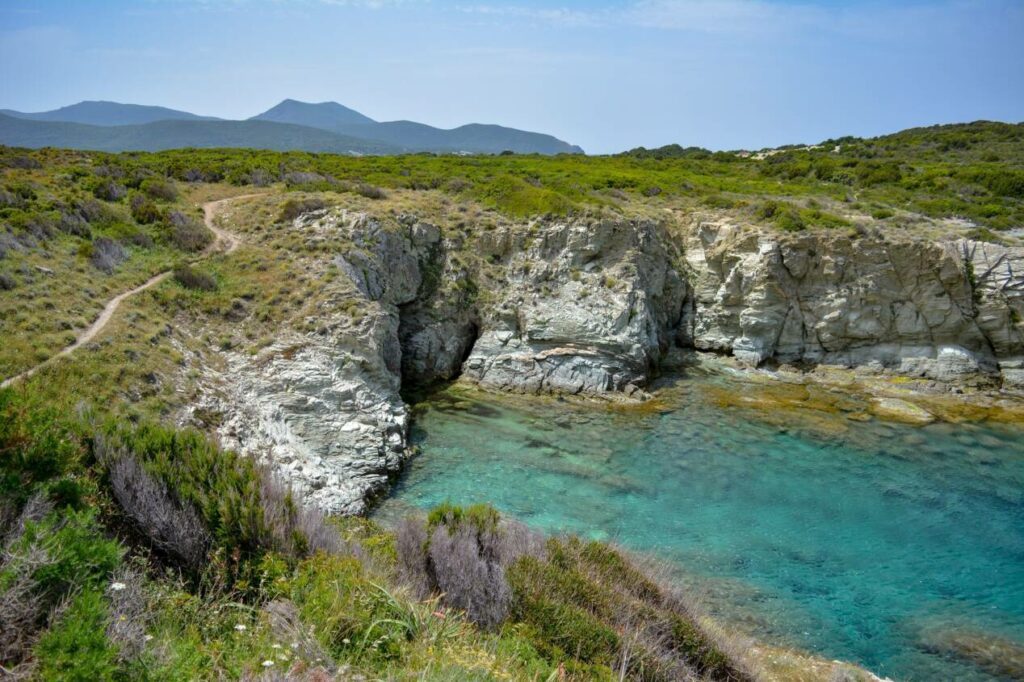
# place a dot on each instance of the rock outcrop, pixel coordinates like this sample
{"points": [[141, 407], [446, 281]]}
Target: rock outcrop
{"points": [[323, 407], [950, 311], [572, 307], [584, 308], [589, 307]]}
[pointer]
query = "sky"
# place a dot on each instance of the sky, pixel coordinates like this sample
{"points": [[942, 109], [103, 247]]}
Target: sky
{"points": [[609, 76]]}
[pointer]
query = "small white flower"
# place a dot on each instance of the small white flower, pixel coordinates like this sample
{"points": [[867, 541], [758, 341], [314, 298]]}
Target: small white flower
{"points": [[275, 646], [149, 638], [117, 587], [346, 641], [240, 627], [267, 663], [295, 645]]}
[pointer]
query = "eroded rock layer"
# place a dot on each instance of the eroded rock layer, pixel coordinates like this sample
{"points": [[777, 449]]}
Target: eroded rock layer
{"points": [[591, 307], [950, 311]]}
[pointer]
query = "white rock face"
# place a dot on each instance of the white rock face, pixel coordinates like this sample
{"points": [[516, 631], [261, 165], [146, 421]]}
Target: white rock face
{"points": [[586, 308], [591, 307], [948, 311], [323, 408]]}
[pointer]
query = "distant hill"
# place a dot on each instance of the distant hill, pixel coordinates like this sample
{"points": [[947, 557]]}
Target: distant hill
{"points": [[100, 113], [474, 137], [320, 127], [413, 136], [177, 134], [326, 115]]}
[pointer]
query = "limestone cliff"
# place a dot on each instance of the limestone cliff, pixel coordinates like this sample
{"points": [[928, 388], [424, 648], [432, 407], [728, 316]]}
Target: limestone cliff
{"points": [[584, 308], [950, 311], [590, 307]]}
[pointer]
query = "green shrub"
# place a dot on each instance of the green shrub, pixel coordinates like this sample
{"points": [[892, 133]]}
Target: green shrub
{"points": [[79, 555], [191, 278], [562, 626], [983, 234], [370, 192], [1004, 182], [187, 233], [76, 648], [483, 517], [162, 190], [873, 173], [108, 190], [789, 221], [719, 201], [144, 211], [767, 210], [37, 445], [818, 218], [293, 208], [707, 658]]}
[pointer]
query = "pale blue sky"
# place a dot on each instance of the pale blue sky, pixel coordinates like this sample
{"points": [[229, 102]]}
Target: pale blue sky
{"points": [[610, 75]]}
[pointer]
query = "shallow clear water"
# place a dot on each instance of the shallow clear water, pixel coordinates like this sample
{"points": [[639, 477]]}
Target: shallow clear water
{"points": [[856, 540]]}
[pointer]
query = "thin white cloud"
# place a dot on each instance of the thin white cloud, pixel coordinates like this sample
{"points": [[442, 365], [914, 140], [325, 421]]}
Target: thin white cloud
{"points": [[708, 16], [552, 15], [221, 4], [752, 17], [724, 16]]}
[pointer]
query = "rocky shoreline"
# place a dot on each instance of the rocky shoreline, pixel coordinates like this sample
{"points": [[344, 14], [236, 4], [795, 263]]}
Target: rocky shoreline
{"points": [[593, 308]]}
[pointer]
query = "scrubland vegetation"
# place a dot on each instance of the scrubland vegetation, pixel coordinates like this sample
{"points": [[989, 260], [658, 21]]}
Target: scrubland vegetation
{"points": [[134, 550], [76, 226]]}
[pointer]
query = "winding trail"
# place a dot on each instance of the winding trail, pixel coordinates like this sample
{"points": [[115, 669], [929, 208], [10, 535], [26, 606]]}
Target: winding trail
{"points": [[225, 242]]}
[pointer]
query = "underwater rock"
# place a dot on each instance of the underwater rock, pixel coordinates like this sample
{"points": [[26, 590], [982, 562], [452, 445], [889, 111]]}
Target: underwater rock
{"points": [[994, 654], [899, 410]]}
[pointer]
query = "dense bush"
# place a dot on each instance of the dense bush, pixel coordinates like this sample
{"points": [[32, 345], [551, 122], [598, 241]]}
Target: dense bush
{"points": [[156, 188], [784, 216], [370, 192], [577, 599], [304, 179], [106, 254], [463, 555], [172, 526], [144, 211], [1000, 181], [187, 233], [293, 208], [109, 190], [76, 646], [259, 177], [72, 222], [49, 556], [191, 278]]}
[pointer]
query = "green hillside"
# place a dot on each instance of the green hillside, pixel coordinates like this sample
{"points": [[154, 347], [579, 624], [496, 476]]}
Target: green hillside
{"points": [[108, 114], [182, 134]]}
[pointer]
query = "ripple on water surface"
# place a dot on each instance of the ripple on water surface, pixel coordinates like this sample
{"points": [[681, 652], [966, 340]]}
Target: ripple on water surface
{"points": [[897, 547]]}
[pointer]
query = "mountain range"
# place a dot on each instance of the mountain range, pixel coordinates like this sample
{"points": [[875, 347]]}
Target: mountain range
{"points": [[290, 125]]}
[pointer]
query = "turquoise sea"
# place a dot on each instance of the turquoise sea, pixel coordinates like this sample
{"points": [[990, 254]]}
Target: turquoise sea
{"points": [[865, 541]]}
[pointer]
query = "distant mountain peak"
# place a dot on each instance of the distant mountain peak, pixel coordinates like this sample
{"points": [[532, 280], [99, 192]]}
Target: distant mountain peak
{"points": [[326, 115], [290, 124]]}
